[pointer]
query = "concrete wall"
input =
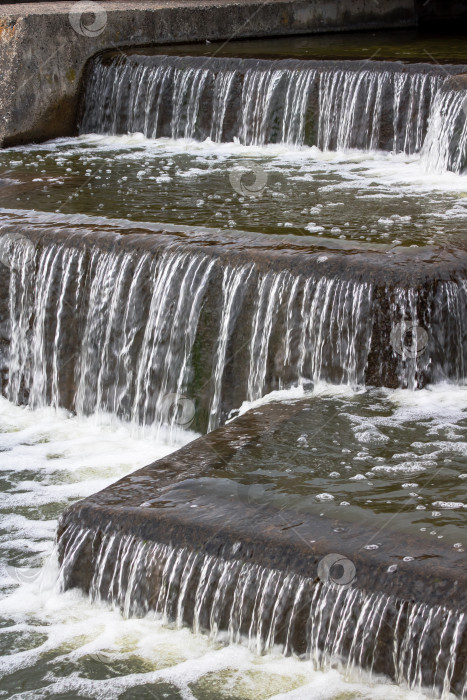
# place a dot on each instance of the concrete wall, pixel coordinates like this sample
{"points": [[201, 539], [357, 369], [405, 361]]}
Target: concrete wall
{"points": [[442, 15], [42, 56]]}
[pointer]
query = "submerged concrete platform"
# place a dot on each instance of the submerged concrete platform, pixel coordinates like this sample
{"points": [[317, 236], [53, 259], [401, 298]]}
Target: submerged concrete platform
{"points": [[153, 503], [44, 48], [144, 543]]}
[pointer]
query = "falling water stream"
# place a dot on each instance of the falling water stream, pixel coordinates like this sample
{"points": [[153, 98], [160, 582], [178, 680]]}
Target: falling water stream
{"points": [[182, 247], [60, 645], [331, 105]]}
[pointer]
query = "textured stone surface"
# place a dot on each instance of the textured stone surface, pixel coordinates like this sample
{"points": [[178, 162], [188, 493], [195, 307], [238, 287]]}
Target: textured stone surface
{"points": [[419, 273], [42, 57], [282, 539]]}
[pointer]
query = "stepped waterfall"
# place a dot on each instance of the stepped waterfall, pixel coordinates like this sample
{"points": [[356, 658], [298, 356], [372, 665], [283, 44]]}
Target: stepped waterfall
{"points": [[331, 105], [141, 314], [271, 608], [124, 320]]}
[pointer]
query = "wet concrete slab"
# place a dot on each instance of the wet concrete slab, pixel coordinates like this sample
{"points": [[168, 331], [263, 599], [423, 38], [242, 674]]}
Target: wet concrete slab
{"points": [[166, 502], [318, 587], [43, 52], [362, 296]]}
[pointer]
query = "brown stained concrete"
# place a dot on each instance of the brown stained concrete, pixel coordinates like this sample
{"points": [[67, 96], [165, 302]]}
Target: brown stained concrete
{"points": [[420, 269], [256, 533], [152, 505], [42, 58]]}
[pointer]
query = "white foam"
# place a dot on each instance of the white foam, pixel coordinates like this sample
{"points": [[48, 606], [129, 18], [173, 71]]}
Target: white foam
{"points": [[82, 647], [357, 168]]}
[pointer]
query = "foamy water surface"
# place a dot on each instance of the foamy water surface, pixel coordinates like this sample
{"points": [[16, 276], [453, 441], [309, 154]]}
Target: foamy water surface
{"points": [[58, 645]]}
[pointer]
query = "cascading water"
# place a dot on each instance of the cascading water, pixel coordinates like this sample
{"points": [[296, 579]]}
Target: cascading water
{"points": [[333, 105], [269, 608], [118, 329], [137, 317], [233, 285], [445, 146], [100, 322]]}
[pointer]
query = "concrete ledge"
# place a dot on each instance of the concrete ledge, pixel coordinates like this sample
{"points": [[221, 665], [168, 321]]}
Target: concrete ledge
{"points": [[138, 505], [432, 277], [42, 57], [149, 510]]}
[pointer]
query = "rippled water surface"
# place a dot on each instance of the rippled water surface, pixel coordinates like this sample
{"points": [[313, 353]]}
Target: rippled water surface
{"points": [[404, 45], [394, 459], [58, 645], [353, 196]]}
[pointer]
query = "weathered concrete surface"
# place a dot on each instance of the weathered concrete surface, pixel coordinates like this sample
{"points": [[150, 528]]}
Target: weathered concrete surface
{"points": [[151, 505], [42, 57]]}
